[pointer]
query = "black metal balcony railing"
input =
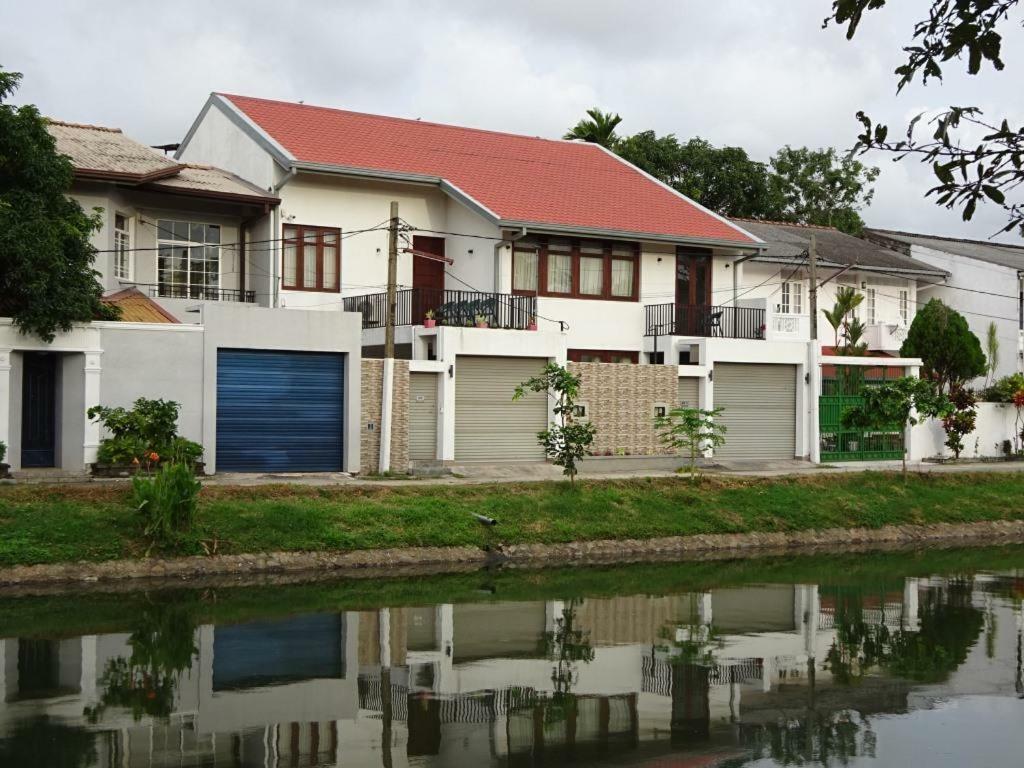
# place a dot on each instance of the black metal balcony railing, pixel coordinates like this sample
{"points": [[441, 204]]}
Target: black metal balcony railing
{"points": [[704, 320], [451, 308], [199, 293]]}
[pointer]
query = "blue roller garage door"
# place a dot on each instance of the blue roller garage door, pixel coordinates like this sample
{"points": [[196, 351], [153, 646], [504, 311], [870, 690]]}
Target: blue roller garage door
{"points": [[279, 411]]}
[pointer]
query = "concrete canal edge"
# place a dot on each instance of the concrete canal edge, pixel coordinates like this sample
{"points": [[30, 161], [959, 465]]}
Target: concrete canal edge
{"points": [[424, 560]]}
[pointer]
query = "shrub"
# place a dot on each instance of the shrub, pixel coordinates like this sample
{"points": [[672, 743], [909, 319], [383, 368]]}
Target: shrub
{"points": [[167, 501], [136, 434], [950, 353], [691, 430], [960, 419], [1003, 390], [3, 450]]}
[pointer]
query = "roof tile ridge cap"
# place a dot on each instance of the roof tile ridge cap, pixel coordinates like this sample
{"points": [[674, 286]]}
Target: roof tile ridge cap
{"points": [[410, 120], [84, 126], [947, 238], [775, 223]]}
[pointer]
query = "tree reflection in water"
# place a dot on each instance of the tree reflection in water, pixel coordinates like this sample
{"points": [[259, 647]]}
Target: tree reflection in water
{"points": [[162, 648]]}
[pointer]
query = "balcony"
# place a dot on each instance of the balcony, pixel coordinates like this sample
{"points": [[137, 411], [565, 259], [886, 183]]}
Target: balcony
{"points": [[704, 320], [199, 293], [450, 308]]}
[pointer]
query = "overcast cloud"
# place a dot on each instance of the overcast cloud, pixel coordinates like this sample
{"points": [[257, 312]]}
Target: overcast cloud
{"points": [[755, 74]]}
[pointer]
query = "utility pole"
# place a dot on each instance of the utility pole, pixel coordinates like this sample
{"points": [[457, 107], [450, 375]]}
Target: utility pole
{"points": [[812, 259], [389, 323], [388, 369]]}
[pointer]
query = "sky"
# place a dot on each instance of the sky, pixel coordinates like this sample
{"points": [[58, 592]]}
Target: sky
{"points": [[757, 74]]}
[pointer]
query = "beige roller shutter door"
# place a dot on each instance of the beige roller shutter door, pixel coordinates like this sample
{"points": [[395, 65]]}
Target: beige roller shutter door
{"points": [[489, 426], [688, 395], [760, 410], [423, 416]]}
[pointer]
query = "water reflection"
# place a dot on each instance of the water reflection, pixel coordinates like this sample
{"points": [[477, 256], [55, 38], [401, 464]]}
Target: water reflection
{"points": [[780, 673]]}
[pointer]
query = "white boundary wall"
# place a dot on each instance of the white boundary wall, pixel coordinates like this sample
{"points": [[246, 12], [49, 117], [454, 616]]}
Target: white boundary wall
{"points": [[996, 423]]}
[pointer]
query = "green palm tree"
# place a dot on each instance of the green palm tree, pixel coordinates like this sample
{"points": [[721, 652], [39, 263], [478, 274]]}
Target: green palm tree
{"points": [[847, 300], [598, 129]]}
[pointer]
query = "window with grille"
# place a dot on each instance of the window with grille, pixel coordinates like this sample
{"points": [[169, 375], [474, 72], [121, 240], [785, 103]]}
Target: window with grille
{"points": [[122, 248], [188, 259]]}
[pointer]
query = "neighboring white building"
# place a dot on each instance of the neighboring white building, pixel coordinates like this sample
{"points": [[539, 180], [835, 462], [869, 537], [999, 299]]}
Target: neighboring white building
{"points": [[608, 264], [893, 284], [180, 233], [985, 285]]}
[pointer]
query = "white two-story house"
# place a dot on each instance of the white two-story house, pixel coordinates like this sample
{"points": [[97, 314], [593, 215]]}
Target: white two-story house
{"points": [[515, 250], [985, 284]]}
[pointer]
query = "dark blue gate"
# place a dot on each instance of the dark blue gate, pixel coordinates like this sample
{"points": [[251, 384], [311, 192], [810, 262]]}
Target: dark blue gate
{"points": [[279, 411]]}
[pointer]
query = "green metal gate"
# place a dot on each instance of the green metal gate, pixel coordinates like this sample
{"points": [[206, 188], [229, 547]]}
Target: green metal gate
{"points": [[841, 388]]}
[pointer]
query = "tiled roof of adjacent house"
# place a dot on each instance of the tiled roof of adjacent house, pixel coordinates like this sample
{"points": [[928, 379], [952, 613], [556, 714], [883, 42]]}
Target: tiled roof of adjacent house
{"points": [[106, 154], [1003, 254], [520, 179], [789, 242], [98, 152], [137, 307]]}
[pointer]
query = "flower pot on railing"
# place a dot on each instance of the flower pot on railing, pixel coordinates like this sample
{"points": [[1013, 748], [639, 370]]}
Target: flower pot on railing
{"points": [[480, 321], [531, 327], [429, 322]]}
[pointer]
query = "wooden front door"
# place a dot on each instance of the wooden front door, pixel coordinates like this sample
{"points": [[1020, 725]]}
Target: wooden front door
{"points": [[693, 290], [39, 410], [427, 276]]}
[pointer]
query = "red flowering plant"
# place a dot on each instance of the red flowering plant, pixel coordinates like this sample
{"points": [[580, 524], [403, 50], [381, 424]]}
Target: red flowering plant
{"points": [[960, 418], [1018, 404]]}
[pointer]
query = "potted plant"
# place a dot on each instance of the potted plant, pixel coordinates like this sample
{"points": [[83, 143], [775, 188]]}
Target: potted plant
{"points": [[532, 324], [480, 321], [4, 468], [429, 319]]}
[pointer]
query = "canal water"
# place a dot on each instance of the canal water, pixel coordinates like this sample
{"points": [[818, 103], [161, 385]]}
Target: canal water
{"points": [[895, 659]]}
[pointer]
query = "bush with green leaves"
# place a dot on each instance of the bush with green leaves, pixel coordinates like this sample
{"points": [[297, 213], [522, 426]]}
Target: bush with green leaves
{"points": [[565, 441], [691, 430], [167, 501], [951, 354], [149, 428], [1003, 389], [3, 451], [896, 404]]}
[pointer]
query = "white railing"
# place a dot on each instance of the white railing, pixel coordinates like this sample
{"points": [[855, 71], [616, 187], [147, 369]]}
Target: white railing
{"points": [[885, 337]]}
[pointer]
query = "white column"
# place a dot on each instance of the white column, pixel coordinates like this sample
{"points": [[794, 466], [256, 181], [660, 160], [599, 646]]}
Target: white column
{"points": [[386, 409], [706, 395], [704, 608], [5, 398], [910, 605], [444, 622], [813, 393], [446, 418], [808, 624], [92, 397], [384, 630], [87, 684]]}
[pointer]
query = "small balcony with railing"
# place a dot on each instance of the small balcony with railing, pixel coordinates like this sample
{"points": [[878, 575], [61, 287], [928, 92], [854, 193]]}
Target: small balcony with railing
{"points": [[462, 309], [196, 293], [704, 321]]}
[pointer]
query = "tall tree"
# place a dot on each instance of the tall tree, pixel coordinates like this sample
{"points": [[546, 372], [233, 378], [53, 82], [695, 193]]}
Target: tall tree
{"points": [[968, 171], [598, 128], [47, 282], [819, 186], [951, 354], [723, 179]]}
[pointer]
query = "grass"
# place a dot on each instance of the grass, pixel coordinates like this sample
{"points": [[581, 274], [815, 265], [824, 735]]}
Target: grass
{"points": [[66, 523]]}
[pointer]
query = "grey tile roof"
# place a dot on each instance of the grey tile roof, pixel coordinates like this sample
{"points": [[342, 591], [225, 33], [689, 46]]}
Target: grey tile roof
{"points": [[106, 154], [789, 243], [1002, 254], [99, 151]]}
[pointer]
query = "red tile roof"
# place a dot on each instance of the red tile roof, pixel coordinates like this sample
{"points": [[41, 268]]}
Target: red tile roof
{"points": [[519, 178]]}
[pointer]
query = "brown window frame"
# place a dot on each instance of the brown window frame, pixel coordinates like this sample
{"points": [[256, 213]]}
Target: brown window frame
{"points": [[574, 355], [543, 249], [298, 239]]}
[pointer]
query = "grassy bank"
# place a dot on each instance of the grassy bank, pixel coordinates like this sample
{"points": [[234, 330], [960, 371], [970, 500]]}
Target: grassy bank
{"points": [[68, 523]]}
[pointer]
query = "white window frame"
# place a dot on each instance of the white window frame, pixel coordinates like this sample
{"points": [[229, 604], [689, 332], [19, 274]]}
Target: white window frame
{"points": [[904, 305], [871, 304], [124, 261], [792, 298], [164, 238]]}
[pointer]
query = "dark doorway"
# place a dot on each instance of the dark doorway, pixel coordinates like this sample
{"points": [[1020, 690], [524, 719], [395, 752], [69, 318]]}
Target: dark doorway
{"points": [[693, 291], [39, 410], [427, 276]]}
